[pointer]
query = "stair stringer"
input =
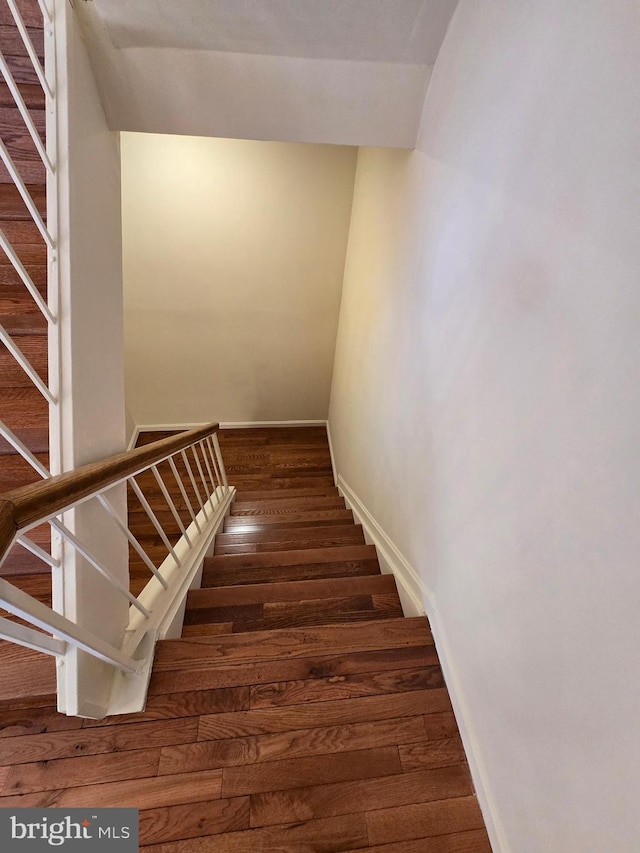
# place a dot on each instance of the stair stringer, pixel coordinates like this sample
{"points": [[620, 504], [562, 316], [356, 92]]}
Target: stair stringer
{"points": [[167, 606]]}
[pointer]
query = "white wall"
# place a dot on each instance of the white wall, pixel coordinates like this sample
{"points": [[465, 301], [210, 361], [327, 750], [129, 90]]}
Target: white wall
{"points": [[347, 73], [91, 355], [91, 267], [485, 401], [233, 262]]}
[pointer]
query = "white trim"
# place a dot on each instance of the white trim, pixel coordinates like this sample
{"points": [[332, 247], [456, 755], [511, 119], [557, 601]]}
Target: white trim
{"points": [[274, 424], [415, 597], [331, 454], [412, 591], [128, 694], [470, 740]]}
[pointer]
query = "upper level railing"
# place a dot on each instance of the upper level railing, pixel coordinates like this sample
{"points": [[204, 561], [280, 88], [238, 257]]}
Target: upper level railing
{"points": [[46, 152], [201, 496]]}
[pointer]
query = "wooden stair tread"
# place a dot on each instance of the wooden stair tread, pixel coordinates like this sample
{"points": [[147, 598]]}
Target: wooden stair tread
{"points": [[16, 471], [24, 232], [272, 574], [257, 508], [27, 323], [335, 609], [252, 482], [331, 665], [30, 12], [37, 584], [11, 205], [32, 94], [290, 591], [255, 618], [285, 494], [12, 43], [304, 518], [14, 296], [28, 679], [24, 408], [203, 652], [12, 375], [19, 563], [330, 539], [291, 558], [285, 534], [351, 686], [329, 536], [36, 439]]}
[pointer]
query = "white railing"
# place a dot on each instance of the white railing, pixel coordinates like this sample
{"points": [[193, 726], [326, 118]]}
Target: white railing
{"points": [[104, 650], [47, 154], [196, 498]]}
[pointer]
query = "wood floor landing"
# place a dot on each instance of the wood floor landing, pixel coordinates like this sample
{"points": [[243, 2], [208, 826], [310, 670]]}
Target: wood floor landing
{"points": [[300, 712]]}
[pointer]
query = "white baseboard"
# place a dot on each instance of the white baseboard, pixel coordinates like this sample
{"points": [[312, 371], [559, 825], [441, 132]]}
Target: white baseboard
{"points": [[411, 589], [331, 453], [416, 598], [259, 424], [477, 766]]}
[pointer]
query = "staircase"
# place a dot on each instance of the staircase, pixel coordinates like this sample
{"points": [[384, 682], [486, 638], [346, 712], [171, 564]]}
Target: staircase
{"points": [[22, 407], [298, 712]]}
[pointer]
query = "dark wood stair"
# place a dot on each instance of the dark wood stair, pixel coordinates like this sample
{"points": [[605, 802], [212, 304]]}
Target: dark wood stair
{"points": [[298, 538], [299, 712], [290, 565]]}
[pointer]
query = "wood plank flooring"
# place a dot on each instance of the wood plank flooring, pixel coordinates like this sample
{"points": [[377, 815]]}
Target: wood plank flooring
{"points": [[300, 712]]}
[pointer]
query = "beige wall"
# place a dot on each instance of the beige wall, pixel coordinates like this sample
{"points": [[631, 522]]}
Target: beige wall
{"points": [[485, 402], [233, 262]]}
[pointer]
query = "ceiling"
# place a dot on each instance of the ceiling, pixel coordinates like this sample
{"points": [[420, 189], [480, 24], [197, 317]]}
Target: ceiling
{"points": [[342, 71]]}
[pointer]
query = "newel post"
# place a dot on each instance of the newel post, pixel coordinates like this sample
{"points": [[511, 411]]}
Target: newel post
{"points": [[88, 423]]}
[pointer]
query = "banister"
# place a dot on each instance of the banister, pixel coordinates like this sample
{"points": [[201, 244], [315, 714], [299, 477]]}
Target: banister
{"points": [[27, 505]]}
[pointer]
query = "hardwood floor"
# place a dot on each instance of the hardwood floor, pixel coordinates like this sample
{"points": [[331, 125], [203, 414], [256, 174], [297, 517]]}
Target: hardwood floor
{"points": [[300, 711]]}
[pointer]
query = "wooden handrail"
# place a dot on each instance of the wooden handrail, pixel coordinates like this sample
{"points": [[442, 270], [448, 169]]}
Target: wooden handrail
{"points": [[36, 502], [7, 526]]}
